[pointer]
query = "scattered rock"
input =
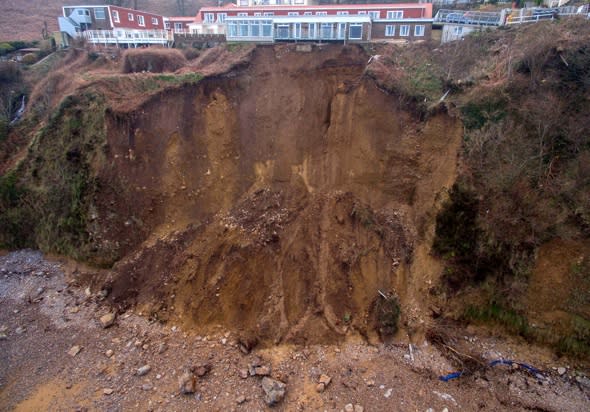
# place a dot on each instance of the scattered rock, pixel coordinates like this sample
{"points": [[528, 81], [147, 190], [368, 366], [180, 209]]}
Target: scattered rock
{"points": [[274, 390], [74, 350], [202, 369], [3, 336], [359, 408], [387, 393], [75, 309], [20, 330], [262, 371], [147, 387], [325, 379], [108, 391], [107, 320], [561, 370], [320, 387], [109, 353], [102, 294], [348, 407], [162, 348], [187, 383], [241, 399], [144, 370], [246, 344], [243, 373]]}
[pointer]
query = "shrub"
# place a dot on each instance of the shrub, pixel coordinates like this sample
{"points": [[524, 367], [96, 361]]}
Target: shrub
{"points": [[29, 58], [3, 128], [152, 60], [9, 72], [387, 312], [5, 48], [191, 53]]}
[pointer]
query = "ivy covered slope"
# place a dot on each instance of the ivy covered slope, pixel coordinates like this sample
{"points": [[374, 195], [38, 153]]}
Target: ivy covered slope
{"points": [[47, 200], [523, 193]]}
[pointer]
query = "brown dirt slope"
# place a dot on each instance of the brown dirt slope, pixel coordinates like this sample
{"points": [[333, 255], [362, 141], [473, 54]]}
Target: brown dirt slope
{"points": [[280, 201]]}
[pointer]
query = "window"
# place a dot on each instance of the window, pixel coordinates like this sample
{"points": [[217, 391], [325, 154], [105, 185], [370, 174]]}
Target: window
{"points": [[178, 26], [299, 2], [307, 13], [374, 14], [321, 13], [282, 31], [257, 14], [140, 20], [267, 28], [419, 30], [341, 30], [242, 14], [293, 13], [167, 25], [243, 28], [116, 16], [326, 30], [390, 30], [404, 30], [355, 31], [243, 2], [232, 28], [221, 17], [155, 21], [130, 16], [209, 17], [269, 13], [395, 15], [297, 30], [362, 13], [342, 13], [99, 14], [458, 30], [255, 29]]}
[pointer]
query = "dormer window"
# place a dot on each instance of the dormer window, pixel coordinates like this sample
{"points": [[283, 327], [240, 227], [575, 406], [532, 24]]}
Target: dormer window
{"points": [[130, 16]]}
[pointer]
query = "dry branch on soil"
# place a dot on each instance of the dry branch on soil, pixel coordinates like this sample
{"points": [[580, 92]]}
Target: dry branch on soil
{"points": [[448, 344]]}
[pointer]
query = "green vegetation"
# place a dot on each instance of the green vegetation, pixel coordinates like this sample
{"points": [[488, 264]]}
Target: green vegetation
{"points": [[476, 114], [47, 204], [5, 48], [186, 78], [512, 321], [387, 311], [524, 177]]}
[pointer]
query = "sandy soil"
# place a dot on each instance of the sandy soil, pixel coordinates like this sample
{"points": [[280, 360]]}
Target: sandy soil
{"points": [[45, 313]]}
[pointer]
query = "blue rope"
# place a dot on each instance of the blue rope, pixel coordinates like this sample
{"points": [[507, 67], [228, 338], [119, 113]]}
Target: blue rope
{"points": [[450, 376], [532, 370]]}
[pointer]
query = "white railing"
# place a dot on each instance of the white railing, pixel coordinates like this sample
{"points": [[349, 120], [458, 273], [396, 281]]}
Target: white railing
{"points": [[121, 36]]}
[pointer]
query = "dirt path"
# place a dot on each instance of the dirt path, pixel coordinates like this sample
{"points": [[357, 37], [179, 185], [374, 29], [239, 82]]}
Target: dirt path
{"points": [[44, 314]]}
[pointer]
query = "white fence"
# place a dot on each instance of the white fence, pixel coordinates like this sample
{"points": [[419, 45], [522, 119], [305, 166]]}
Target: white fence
{"points": [[128, 37]]}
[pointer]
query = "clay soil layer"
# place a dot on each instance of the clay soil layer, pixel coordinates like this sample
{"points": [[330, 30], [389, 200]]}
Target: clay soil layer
{"points": [[276, 199]]}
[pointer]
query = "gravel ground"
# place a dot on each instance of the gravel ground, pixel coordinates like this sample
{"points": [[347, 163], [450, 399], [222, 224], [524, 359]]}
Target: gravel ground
{"points": [[56, 355]]}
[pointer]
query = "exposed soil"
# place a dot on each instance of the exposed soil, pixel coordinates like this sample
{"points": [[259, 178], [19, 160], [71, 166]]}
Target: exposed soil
{"points": [[37, 296], [261, 202], [277, 199]]}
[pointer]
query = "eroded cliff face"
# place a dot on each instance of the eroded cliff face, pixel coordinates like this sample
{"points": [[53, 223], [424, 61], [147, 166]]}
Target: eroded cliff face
{"points": [[278, 199]]}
